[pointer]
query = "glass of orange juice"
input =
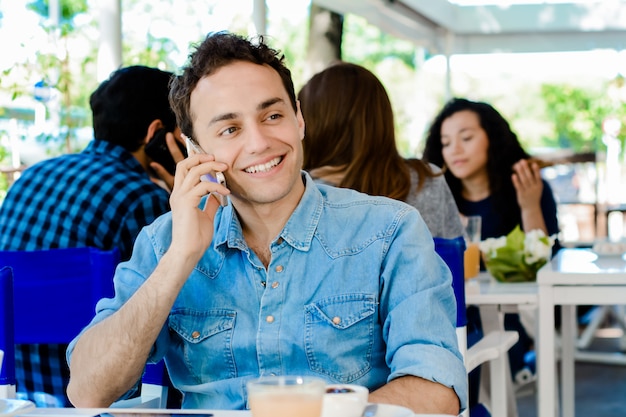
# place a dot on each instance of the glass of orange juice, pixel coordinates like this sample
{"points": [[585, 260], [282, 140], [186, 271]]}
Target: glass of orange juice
{"points": [[286, 396], [472, 252]]}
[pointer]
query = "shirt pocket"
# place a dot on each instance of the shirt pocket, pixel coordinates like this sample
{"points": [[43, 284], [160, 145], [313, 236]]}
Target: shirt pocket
{"points": [[339, 335], [206, 342]]}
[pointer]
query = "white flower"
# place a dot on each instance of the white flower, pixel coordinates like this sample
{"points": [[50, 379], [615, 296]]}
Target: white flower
{"points": [[517, 256], [491, 245], [537, 246]]}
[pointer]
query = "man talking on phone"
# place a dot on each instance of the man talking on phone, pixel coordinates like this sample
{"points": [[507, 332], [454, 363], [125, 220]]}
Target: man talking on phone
{"points": [[100, 197], [289, 277]]}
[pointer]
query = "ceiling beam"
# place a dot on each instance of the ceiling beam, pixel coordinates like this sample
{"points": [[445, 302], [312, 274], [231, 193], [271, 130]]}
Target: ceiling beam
{"points": [[443, 27], [523, 18]]}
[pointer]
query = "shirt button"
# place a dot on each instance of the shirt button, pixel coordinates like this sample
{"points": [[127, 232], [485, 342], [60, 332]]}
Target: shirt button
{"points": [[336, 320], [195, 334], [275, 284], [269, 319], [279, 268], [262, 283], [279, 240]]}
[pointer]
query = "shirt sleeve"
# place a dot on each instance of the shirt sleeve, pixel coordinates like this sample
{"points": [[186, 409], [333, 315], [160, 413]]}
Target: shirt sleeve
{"points": [[418, 309], [549, 210], [437, 206], [453, 225]]}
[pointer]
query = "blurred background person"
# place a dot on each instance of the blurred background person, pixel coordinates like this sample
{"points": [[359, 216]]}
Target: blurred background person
{"points": [[488, 171], [101, 198], [491, 176], [350, 142]]}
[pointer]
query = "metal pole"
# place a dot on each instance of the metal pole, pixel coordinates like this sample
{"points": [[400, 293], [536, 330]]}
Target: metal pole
{"points": [[448, 53], [110, 48], [259, 17]]}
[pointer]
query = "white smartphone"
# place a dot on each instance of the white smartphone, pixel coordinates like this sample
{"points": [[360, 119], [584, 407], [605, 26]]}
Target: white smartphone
{"points": [[219, 178]]}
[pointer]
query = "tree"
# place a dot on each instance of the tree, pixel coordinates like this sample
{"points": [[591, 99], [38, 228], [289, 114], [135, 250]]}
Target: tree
{"points": [[577, 115], [57, 66], [325, 36]]}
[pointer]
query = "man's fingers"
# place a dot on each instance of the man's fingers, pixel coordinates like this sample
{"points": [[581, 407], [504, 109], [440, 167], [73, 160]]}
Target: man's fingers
{"points": [[163, 174], [172, 145]]}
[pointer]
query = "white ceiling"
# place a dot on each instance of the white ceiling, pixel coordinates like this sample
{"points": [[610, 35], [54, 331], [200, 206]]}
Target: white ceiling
{"points": [[509, 26]]}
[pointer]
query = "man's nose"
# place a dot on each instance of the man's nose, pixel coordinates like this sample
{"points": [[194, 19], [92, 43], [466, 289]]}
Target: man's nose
{"points": [[257, 139]]}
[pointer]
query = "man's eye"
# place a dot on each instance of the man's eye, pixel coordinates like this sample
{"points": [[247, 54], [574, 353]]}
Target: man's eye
{"points": [[229, 131], [275, 116]]}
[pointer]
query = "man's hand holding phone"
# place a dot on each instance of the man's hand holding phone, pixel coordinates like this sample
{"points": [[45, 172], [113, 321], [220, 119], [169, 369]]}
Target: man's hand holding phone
{"points": [[218, 177], [192, 225]]}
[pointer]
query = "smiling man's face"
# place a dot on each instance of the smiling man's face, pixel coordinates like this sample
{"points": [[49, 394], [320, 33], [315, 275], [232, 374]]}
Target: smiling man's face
{"points": [[243, 116]]}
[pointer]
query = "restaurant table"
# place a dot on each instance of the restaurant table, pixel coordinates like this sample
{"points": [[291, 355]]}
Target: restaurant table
{"points": [[138, 412], [573, 277], [484, 290], [383, 411], [494, 299]]}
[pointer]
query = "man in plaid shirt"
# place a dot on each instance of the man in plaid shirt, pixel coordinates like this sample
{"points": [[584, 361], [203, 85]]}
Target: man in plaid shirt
{"points": [[101, 197]]}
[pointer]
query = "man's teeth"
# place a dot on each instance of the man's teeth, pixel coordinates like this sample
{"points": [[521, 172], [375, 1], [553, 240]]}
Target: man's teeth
{"points": [[263, 167]]}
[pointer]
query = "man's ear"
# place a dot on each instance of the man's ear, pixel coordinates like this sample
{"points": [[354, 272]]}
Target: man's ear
{"points": [[152, 128], [300, 119]]}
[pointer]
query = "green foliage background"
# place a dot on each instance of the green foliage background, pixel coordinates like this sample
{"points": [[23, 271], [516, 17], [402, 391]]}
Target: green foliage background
{"points": [[545, 115]]}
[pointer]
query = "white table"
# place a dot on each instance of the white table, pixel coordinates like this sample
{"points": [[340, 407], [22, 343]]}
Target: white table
{"points": [[493, 300], [573, 277], [383, 411], [90, 412], [482, 290]]}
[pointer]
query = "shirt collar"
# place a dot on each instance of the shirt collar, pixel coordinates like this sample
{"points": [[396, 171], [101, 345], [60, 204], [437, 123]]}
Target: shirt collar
{"points": [[117, 152], [298, 231]]}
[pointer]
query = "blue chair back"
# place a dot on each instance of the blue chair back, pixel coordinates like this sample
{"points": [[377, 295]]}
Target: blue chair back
{"points": [[7, 373], [452, 251], [56, 290], [53, 296]]}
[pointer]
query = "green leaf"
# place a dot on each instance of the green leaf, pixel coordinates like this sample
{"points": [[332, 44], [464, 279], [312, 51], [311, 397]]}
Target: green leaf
{"points": [[515, 239]]}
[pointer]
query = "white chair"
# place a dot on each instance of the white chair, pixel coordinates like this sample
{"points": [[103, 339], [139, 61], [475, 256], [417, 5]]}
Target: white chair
{"points": [[492, 348], [600, 316]]}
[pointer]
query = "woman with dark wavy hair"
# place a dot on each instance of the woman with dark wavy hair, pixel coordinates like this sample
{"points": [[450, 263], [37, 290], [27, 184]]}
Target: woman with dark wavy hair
{"points": [[491, 176], [488, 171], [350, 142]]}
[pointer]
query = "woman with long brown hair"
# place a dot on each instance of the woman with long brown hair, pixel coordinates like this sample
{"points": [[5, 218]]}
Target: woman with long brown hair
{"points": [[350, 142]]}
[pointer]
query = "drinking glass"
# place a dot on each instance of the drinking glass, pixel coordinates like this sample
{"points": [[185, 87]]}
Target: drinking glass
{"points": [[286, 396], [472, 239]]}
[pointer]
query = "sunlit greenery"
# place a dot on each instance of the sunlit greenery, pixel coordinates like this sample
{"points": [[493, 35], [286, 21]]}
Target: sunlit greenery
{"points": [[544, 115], [577, 115]]}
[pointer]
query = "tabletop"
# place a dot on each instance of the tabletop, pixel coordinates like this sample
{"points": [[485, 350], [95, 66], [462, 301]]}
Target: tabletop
{"points": [[384, 410], [573, 277], [485, 290], [131, 412], [583, 267]]}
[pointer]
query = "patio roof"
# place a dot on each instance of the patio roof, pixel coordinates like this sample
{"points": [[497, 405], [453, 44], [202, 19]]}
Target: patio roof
{"points": [[464, 27]]}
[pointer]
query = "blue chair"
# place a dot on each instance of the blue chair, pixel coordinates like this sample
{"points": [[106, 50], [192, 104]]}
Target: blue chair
{"points": [[54, 296], [492, 348], [51, 298], [7, 370]]}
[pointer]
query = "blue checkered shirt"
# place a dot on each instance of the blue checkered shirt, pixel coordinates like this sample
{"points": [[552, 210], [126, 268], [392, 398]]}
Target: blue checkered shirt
{"points": [[101, 197]]}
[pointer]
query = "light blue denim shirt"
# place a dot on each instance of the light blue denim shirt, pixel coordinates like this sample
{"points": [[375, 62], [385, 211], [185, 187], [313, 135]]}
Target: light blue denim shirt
{"points": [[354, 293]]}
